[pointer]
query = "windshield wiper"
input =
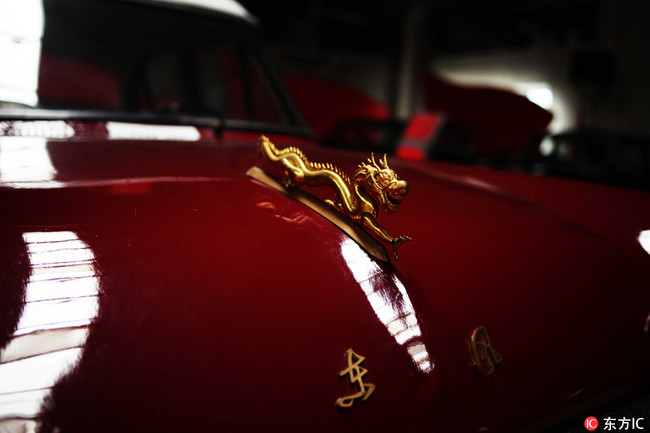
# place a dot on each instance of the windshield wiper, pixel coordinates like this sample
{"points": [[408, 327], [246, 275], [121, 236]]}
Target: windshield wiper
{"points": [[153, 118]]}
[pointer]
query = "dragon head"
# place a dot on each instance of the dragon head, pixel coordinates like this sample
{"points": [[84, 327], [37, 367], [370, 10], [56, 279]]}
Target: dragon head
{"points": [[382, 184]]}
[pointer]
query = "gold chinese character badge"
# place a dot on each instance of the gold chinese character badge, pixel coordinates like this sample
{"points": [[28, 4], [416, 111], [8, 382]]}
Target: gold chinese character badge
{"points": [[481, 350], [356, 373]]}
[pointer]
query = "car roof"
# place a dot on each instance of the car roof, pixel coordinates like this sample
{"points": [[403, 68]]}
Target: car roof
{"points": [[227, 7]]}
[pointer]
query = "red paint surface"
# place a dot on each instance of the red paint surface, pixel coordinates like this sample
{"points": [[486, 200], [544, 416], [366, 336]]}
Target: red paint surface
{"points": [[224, 304], [325, 104], [64, 80], [422, 126], [501, 121], [415, 153], [418, 136]]}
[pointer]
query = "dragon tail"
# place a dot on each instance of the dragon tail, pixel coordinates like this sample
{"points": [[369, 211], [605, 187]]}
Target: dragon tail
{"points": [[267, 149]]}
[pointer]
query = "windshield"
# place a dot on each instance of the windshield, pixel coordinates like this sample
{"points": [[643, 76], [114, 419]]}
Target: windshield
{"points": [[123, 57]]}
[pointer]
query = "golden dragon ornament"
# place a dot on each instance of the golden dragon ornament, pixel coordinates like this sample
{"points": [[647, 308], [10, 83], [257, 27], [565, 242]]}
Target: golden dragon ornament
{"points": [[373, 186]]}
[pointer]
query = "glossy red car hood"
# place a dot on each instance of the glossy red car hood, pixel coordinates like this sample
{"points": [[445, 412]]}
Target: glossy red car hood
{"points": [[222, 304]]}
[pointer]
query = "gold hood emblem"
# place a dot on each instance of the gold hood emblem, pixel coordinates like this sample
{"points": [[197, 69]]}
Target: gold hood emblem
{"points": [[373, 186]]}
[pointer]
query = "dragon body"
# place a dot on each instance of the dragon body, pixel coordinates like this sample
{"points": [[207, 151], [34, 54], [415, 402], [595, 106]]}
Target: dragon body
{"points": [[373, 186]]}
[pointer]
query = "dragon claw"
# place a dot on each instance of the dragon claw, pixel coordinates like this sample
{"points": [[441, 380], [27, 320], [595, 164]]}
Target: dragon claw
{"points": [[335, 204], [398, 242]]}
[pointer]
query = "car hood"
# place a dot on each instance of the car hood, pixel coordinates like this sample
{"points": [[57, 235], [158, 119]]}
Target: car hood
{"points": [[211, 299]]}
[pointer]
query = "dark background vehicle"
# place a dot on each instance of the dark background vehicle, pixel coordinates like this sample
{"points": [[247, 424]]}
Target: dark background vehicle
{"points": [[616, 159], [478, 64]]}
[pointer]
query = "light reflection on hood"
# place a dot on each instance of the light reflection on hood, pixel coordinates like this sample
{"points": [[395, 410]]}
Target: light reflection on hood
{"points": [[644, 240], [395, 313], [21, 29], [60, 302], [25, 159]]}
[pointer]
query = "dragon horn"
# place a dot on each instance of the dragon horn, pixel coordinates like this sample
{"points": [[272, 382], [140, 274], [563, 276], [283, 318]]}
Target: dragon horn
{"points": [[372, 155], [383, 162]]}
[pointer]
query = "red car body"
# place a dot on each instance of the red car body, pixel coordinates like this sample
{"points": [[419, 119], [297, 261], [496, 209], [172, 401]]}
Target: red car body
{"points": [[217, 303]]}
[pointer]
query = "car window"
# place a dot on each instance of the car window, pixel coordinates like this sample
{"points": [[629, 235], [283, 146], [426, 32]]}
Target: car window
{"points": [[134, 58], [161, 90], [264, 102], [220, 77]]}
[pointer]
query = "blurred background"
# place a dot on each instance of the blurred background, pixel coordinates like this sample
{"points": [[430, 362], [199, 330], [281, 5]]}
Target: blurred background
{"points": [[554, 87]]}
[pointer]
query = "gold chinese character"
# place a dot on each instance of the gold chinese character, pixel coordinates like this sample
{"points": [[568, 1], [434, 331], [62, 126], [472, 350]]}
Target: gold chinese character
{"points": [[356, 373], [480, 346]]}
